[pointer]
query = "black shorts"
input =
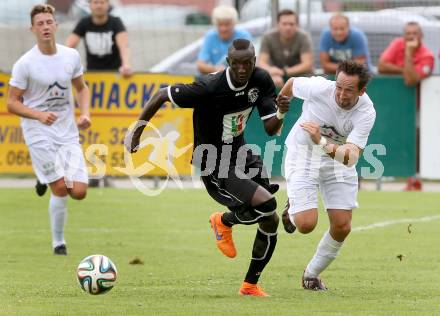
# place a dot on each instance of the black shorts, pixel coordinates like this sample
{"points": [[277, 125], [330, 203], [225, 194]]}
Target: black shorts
{"points": [[237, 188]]}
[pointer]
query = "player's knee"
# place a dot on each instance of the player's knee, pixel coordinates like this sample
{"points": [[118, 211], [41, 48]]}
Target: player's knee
{"points": [[270, 223], [342, 229], [59, 190], [267, 207], [305, 225], [78, 194]]}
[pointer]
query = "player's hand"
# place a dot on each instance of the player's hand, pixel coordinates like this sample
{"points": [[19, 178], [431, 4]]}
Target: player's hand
{"points": [[125, 71], [283, 103], [47, 118], [132, 139], [84, 122], [313, 129]]}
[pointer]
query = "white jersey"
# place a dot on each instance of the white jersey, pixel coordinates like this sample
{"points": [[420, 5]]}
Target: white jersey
{"points": [[338, 125], [47, 81]]}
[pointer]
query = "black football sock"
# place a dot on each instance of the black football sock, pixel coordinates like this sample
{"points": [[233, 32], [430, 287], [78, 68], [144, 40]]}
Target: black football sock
{"points": [[264, 245]]}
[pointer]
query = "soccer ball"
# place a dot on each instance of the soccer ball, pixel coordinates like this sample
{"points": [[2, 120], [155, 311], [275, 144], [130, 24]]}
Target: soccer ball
{"points": [[96, 274]]}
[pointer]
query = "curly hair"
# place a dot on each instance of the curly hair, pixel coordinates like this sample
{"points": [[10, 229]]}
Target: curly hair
{"points": [[353, 68]]}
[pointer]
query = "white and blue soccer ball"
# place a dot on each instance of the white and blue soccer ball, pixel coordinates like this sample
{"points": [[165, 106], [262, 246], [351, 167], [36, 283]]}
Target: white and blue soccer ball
{"points": [[96, 274]]}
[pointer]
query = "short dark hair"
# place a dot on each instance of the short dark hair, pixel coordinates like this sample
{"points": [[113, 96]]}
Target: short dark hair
{"points": [[241, 44], [287, 12], [41, 8], [353, 68]]}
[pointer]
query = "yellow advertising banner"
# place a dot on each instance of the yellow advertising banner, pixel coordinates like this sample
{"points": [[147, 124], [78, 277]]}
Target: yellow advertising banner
{"points": [[115, 104]]}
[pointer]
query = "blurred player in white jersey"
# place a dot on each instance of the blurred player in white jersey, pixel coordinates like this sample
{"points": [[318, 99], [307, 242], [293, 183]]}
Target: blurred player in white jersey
{"points": [[41, 94], [322, 149]]}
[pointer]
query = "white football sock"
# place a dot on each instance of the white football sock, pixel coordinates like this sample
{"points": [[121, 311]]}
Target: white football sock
{"points": [[326, 252], [57, 215]]}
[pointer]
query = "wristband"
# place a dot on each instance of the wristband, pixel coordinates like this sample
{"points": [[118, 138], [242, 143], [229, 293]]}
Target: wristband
{"points": [[280, 115], [322, 142]]}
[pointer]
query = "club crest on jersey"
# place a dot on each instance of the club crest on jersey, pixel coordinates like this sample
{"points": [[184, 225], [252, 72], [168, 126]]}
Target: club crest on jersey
{"points": [[235, 123], [348, 126], [253, 95]]}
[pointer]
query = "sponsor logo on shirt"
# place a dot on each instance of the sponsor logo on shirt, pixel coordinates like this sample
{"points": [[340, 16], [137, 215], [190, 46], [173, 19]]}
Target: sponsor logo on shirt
{"points": [[253, 95], [235, 123], [57, 98]]}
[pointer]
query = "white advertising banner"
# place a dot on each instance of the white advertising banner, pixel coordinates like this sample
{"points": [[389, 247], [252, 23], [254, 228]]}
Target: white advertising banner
{"points": [[430, 128]]}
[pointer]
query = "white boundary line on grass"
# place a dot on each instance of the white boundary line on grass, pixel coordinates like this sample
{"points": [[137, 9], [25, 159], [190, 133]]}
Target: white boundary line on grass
{"points": [[397, 221]]}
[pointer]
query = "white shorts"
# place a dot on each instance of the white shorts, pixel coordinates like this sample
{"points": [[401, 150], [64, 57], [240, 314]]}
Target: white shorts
{"points": [[55, 161], [337, 183]]}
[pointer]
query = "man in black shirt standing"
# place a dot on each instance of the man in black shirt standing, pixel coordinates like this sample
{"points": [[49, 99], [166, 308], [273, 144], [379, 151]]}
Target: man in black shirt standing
{"points": [[106, 39], [232, 174]]}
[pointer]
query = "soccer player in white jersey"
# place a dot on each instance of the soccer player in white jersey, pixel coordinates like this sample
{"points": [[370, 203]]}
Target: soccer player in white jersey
{"points": [[41, 94], [323, 148]]}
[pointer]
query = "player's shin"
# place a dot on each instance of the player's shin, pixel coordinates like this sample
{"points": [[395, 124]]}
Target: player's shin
{"points": [[57, 214], [326, 252], [264, 246]]}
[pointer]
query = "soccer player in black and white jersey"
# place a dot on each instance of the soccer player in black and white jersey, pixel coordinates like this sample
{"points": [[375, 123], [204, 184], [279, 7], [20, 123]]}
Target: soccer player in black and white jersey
{"points": [[222, 103]]}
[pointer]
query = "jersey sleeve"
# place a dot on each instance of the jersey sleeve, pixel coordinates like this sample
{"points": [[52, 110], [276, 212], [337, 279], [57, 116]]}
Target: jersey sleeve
{"points": [[80, 28], [187, 95], [118, 25], [361, 131], [304, 86], [267, 105], [19, 77], [77, 68]]}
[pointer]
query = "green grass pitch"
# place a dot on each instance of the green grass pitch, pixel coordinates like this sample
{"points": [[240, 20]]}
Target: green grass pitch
{"points": [[185, 274]]}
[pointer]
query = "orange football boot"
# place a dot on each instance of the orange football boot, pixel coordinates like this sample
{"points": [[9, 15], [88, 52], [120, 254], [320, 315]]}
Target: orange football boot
{"points": [[223, 235], [252, 290]]}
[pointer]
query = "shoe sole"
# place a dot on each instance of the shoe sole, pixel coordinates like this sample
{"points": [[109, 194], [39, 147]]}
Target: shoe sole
{"points": [[246, 294]]}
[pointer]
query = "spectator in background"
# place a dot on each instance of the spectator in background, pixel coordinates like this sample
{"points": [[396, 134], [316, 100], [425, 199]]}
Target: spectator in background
{"points": [[408, 56], [212, 56], [342, 42], [287, 50], [106, 39]]}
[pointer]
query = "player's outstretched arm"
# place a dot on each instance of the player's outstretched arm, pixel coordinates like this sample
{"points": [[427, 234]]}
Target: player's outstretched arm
{"points": [[16, 106], [151, 107]]}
